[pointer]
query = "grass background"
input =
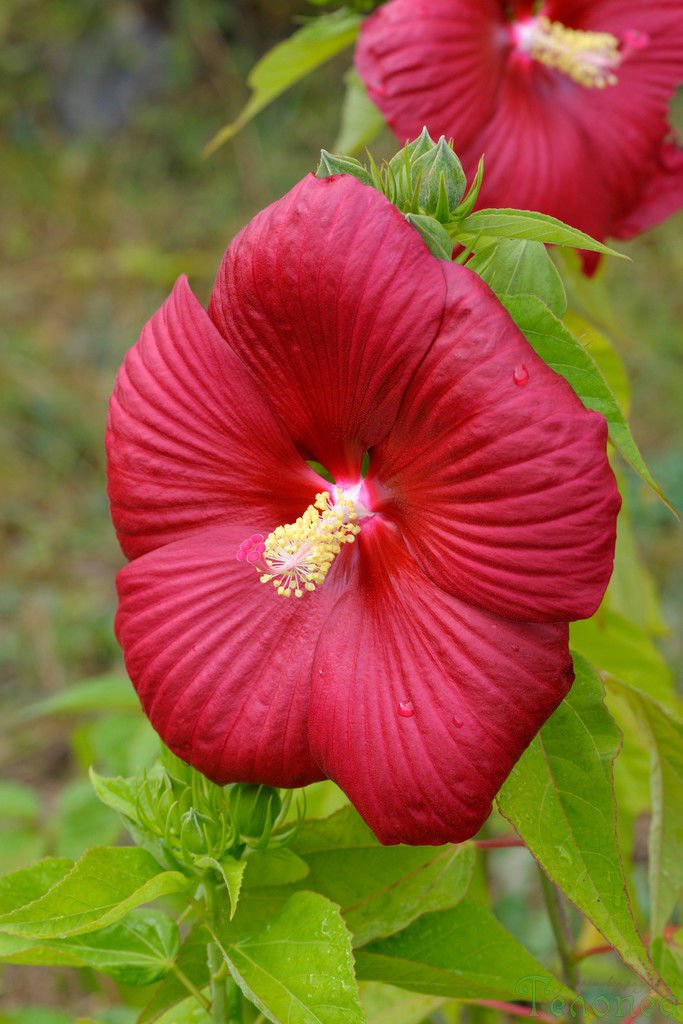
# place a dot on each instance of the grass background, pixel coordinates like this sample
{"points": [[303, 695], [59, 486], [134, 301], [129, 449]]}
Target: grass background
{"points": [[105, 200]]}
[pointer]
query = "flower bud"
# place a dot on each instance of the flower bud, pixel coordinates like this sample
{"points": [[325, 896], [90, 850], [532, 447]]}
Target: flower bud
{"points": [[440, 181], [254, 810], [411, 152], [193, 834]]}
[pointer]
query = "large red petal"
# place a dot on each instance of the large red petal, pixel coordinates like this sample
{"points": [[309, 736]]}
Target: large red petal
{"points": [[663, 195], [496, 472], [331, 299], [192, 440], [221, 663], [438, 64], [423, 703]]}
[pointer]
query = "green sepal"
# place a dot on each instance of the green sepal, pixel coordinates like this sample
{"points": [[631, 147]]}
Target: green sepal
{"points": [[435, 236], [331, 164], [472, 194]]}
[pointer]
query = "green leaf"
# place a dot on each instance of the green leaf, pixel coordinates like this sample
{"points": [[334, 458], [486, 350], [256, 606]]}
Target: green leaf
{"points": [[231, 871], [386, 1004], [191, 963], [19, 802], [186, 1012], [664, 733], [380, 889], [136, 951], [536, 227], [361, 121], [560, 799], [299, 968], [551, 340], [28, 884], [106, 693], [99, 890], [632, 592], [274, 866], [519, 267], [624, 651], [290, 61], [631, 775], [668, 957], [605, 356], [460, 953]]}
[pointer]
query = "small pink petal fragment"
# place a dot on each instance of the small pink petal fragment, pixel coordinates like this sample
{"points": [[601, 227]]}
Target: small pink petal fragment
{"points": [[520, 375], [406, 709]]}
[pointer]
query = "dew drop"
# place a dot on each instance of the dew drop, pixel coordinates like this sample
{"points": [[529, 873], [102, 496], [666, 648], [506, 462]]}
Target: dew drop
{"points": [[457, 723], [520, 375], [406, 709]]}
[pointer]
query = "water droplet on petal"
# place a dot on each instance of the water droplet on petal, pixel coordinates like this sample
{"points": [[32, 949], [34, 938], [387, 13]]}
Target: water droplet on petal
{"points": [[520, 375], [457, 723], [406, 709]]}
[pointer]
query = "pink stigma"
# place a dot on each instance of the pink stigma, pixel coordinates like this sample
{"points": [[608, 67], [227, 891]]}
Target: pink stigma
{"points": [[634, 41], [251, 549]]}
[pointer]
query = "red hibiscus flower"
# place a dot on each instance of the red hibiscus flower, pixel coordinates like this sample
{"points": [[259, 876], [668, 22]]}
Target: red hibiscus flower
{"points": [[567, 99], [403, 633]]}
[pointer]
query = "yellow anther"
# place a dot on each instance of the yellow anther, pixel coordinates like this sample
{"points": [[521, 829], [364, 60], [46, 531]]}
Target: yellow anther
{"points": [[299, 555], [589, 58]]}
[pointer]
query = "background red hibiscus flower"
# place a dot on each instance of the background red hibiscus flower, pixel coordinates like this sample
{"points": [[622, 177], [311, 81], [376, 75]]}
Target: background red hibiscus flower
{"points": [[567, 101]]}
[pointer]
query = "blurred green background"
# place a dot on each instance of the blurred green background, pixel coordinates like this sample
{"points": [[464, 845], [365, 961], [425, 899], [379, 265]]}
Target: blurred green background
{"points": [[105, 200]]}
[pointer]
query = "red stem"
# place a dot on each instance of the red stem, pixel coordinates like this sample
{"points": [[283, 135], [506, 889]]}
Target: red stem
{"points": [[667, 935], [634, 1016], [593, 951], [515, 1010]]}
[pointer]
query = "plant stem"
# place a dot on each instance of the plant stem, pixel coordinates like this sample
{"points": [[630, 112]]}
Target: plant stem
{"points": [[190, 986], [219, 992], [570, 971], [226, 998], [583, 954]]}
